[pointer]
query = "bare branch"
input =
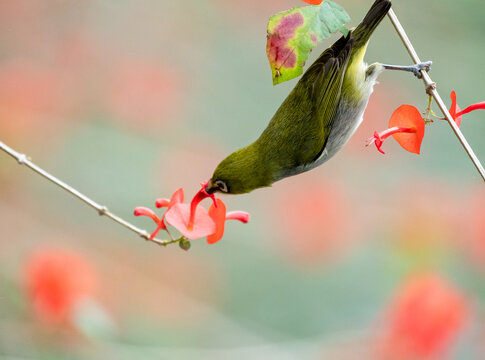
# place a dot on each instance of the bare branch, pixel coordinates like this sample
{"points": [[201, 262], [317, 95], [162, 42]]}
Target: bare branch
{"points": [[22, 159], [431, 90]]}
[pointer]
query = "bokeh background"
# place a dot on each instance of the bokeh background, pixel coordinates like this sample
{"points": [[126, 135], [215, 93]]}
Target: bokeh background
{"points": [[368, 257]]}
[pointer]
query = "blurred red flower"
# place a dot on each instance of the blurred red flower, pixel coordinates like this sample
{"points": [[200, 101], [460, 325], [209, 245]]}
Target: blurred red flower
{"points": [[312, 226], [32, 100], [145, 94], [57, 281], [472, 226], [421, 231], [425, 318]]}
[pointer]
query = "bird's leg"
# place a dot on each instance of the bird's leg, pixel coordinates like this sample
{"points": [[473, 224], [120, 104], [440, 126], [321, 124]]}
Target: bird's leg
{"points": [[415, 69]]}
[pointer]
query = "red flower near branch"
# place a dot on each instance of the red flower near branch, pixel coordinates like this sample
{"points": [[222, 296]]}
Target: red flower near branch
{"points": [[455, 111], [406, 126], [58, 281], [192, 220]]}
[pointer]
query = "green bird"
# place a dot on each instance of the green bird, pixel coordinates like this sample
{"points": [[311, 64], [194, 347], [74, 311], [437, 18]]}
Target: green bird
{"points": [[316, 119]]}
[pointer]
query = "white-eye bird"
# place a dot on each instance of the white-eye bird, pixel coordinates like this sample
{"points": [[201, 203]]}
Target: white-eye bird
{"points": [[316, 119]]}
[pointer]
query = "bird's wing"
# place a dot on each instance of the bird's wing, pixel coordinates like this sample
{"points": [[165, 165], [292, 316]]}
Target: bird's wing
{"points": [[327, 87]]}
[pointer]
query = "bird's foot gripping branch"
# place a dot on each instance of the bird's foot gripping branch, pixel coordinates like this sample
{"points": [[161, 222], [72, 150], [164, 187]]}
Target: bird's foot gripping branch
{"points": [[192, 220]]}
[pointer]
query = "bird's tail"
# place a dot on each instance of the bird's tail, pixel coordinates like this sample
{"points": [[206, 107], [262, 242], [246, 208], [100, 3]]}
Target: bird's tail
{"points": [[374, 16]]}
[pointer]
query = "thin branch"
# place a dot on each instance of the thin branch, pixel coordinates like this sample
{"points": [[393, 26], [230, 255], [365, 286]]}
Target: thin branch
{"points": [[431, 90], [22, 159]]}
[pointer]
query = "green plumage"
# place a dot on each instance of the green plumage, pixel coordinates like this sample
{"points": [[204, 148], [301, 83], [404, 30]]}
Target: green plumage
{"points": [[314, 120]]}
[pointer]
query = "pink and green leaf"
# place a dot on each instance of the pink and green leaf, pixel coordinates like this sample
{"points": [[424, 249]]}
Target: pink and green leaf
{"points": [[292, 34]]}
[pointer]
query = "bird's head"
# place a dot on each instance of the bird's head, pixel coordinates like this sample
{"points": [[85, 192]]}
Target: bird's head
{"points": [[239, 173]]}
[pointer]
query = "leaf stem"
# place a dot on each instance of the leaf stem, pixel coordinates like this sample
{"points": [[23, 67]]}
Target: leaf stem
{"points": [[431, 90], [22, 159]]}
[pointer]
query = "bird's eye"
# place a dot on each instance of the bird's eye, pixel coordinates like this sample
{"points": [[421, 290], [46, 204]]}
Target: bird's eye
{"points": [[221, 185]]}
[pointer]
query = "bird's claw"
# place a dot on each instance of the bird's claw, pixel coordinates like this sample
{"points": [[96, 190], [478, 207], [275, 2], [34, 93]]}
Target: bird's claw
{"points": [[426, 66]]}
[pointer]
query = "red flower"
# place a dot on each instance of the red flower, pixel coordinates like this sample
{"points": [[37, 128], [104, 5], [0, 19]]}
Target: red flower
{"points": [[192, 220], [177, 197], [218, 214], [201, 195], [57, 281], [456, 112], [425, 318], [202, 224], [455, 109], [406, 126], [313, 2]]}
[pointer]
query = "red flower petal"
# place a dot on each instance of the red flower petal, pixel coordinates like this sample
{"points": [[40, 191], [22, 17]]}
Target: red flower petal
{"points": [[313, 2], [456, 112], [143, 211], [455, 109], [160, 203], [379, 137], [159, 227], [201, 195], [178, 216], [408, 117], [177, 197], [218, 214], [242, 216], [425, 318], [377, 140], [57, 281], [477, 106]]}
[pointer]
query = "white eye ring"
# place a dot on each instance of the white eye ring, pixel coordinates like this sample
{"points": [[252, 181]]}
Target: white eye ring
{"points": [[221, 185]]}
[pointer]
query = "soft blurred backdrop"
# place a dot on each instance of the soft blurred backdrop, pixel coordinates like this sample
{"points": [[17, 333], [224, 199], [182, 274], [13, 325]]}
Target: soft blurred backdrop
{"points": [[368, 257]]}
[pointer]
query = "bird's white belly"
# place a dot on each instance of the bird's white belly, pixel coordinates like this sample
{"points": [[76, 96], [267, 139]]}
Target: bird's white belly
{"points": [[347, 120]]}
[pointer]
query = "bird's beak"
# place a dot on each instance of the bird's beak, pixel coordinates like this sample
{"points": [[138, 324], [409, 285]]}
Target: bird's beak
{"points": [[210, 189], [206, 191]]}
